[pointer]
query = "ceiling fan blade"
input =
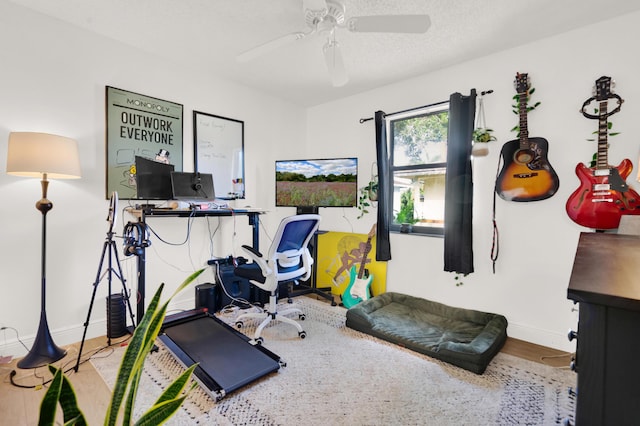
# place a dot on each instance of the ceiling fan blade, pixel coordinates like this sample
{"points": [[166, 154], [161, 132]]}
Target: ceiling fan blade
{"points": [[269, 46], [389, 24], [335, 63]]}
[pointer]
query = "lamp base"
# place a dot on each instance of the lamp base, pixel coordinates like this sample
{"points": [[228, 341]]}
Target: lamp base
{"points": [[44, 351]]}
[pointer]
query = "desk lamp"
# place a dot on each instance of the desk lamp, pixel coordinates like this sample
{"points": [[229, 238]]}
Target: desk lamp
{"points": [[45, 156]]}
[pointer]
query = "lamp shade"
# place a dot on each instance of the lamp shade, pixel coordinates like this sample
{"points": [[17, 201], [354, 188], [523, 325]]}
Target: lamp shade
{"points": [[32, 154]]}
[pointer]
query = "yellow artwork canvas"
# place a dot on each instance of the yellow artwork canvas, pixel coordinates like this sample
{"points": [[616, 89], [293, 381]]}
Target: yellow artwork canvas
{"points": [[338, 252]]}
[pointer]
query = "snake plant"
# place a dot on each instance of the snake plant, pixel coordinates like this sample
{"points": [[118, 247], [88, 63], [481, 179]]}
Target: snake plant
{"points": [[123, 397]]}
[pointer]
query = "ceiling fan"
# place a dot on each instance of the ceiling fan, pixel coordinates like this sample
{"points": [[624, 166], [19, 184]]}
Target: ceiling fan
{"points": [[324, 17]]}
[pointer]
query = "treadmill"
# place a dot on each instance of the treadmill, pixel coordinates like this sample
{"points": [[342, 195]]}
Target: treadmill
{"points": [[227, 360]]}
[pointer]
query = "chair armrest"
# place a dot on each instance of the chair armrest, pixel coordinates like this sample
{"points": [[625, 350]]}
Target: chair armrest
{"points": [[252, 250], [257, 257]]}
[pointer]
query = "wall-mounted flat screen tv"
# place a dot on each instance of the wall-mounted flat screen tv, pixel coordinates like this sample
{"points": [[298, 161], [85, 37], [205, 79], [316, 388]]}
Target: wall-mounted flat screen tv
{"points": [[317, 183]]}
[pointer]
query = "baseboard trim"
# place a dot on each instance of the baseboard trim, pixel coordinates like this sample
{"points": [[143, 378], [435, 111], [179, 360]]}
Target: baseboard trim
{"points": [[63, 337], [554, 340]]}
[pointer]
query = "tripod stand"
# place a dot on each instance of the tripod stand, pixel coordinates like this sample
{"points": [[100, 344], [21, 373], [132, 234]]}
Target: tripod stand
{"points": [[109, 251]]}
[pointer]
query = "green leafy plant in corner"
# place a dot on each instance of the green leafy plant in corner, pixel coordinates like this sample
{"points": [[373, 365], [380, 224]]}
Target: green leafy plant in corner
{"points": [[127, 382], [405, 215], [367, 195]]}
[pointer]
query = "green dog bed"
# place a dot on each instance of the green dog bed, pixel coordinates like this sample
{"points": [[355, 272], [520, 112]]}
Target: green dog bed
{"points": [[466, 338]]}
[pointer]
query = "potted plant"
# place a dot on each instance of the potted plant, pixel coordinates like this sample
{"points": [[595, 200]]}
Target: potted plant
{"points": [[368, 195], [61, 392], [481, 136], [405, 216]]}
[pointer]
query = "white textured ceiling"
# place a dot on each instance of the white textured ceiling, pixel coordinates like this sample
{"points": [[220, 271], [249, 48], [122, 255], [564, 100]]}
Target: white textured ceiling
{"points": [[209, 34]]}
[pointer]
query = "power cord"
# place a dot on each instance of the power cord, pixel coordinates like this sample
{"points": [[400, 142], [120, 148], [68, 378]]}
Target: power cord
{"points": [[234, 299], [65, 368], [17, 336]]}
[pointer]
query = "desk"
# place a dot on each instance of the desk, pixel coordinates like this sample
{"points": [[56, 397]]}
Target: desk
{"points": [[605, 282], [144, 214]]}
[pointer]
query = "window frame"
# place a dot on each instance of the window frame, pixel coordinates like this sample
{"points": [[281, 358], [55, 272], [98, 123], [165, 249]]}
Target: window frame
{"points": [[437, 108]]}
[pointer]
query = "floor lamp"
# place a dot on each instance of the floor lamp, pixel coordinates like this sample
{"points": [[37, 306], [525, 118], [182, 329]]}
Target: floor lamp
{"points": [[44, 156]]}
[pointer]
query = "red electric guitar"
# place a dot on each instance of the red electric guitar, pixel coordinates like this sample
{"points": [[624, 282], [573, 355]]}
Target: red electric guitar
{"points": [[603, 196], [526, 174]]}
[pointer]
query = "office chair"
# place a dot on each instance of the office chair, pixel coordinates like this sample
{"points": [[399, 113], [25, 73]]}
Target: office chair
{"points": [[288, 259]]}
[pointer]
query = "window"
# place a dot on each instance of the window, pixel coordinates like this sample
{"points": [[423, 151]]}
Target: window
{"points": [[418, 156]]}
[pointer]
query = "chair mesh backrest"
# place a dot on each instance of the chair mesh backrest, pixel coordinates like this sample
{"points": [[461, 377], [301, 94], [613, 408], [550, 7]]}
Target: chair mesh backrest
{"points": [[295, 233]]}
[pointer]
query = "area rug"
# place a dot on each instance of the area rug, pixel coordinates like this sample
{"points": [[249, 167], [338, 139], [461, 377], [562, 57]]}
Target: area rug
{"points": [[339, 376]]}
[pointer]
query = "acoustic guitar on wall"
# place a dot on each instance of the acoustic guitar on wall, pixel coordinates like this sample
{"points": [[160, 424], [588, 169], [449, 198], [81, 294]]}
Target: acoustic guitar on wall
{"points": [[603, 195], [526, 174], [359, 285]]}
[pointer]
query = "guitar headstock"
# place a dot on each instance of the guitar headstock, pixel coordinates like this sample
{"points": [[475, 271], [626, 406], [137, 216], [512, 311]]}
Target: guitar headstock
{"points": [[603, 88], [522, 83]]}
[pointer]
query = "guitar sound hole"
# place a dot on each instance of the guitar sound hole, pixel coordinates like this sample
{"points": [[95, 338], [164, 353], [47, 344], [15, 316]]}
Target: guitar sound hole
{"points": [[523, 156]]}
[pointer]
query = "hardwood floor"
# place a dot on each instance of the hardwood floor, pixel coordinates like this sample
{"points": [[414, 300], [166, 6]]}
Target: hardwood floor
{"points": [[20, 406]]}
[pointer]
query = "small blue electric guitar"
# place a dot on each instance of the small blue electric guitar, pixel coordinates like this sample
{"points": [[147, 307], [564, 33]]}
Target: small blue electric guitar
{"points": [[359, 285]]}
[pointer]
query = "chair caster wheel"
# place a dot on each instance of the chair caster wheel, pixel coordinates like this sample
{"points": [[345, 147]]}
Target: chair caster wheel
{"points": [[239, 324], [302, 334], [302, 317]]}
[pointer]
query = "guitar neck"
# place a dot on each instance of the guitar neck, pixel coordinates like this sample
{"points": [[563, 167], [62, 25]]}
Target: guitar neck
{"points": [[364, 258], [524, 130], [602, 161]]}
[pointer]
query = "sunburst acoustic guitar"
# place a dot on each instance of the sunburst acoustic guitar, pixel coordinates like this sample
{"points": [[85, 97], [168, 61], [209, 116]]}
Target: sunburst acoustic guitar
{"points": [[603, 195], [526, 174]]}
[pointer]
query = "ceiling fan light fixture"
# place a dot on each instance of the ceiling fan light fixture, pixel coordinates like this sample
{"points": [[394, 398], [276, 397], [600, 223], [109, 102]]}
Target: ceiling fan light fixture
{"points": [[335, 63]]}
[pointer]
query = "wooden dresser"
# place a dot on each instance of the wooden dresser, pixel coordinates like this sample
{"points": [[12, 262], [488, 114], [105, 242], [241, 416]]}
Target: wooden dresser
{"points": [[605, 281]]}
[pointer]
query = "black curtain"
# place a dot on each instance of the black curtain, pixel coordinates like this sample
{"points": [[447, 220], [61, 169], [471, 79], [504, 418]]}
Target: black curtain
{"points": [[458, 204], [385, 184]]}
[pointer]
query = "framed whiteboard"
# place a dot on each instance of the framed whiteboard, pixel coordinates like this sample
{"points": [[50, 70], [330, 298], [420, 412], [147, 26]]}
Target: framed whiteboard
{"points": [[219, 150]]}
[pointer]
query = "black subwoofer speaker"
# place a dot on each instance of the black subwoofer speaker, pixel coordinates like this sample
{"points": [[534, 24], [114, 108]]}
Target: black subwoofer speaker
{"points": [[116, 316], [207, 296]]}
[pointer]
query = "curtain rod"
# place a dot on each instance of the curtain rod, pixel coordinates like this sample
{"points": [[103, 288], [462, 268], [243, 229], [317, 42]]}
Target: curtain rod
{"points": [[364, 120]]}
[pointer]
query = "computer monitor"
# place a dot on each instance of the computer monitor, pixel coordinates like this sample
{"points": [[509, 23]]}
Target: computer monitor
{"points": [[192, 186], [153, 179]]}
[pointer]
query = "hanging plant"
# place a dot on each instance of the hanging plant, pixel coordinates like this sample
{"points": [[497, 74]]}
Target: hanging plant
{"points": [[481, 134], [368, 194]]}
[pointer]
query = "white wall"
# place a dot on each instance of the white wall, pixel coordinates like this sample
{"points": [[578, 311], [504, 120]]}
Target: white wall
{"points": [[537, 239], [53, 80]]}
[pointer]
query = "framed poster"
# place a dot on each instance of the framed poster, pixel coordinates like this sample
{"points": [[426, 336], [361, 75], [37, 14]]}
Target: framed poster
{"points": [[219, 150], [139, 125]]}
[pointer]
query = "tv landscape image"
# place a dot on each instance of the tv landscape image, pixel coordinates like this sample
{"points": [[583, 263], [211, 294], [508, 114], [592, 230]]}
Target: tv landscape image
{"points": [[319, 183]]}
